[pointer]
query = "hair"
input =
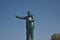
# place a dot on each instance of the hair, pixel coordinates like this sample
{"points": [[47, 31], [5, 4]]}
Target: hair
{"points": [[29, 12]]}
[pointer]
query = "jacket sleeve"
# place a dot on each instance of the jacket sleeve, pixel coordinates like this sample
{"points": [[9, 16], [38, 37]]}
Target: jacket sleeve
{"points": [[19, 17]]}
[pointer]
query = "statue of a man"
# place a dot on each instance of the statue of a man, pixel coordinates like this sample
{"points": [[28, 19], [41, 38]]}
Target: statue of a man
{"points": [[29, 25]]}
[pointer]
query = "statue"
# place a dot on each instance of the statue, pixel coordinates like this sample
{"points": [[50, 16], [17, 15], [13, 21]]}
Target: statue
{"points": [[29, 25]]}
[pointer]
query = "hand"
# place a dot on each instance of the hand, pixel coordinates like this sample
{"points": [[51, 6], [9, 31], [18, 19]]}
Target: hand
{"points": [[16, 16]]}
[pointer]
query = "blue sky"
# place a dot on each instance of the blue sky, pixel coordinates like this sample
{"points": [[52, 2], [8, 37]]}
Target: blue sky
{"points": [[46, 14]]}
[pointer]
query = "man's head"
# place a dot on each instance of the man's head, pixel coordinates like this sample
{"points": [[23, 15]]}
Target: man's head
{"points": [[29, 13]]}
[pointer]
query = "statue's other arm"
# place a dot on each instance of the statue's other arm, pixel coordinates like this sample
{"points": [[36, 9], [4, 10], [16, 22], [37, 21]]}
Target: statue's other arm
{"points": [[20, 17]]}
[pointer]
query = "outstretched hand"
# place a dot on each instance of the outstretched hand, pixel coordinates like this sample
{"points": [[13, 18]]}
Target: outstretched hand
{"points": [[17, 17]]}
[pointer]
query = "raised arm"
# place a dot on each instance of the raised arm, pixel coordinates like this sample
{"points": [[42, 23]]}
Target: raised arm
{"points": [[21, 17]]}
